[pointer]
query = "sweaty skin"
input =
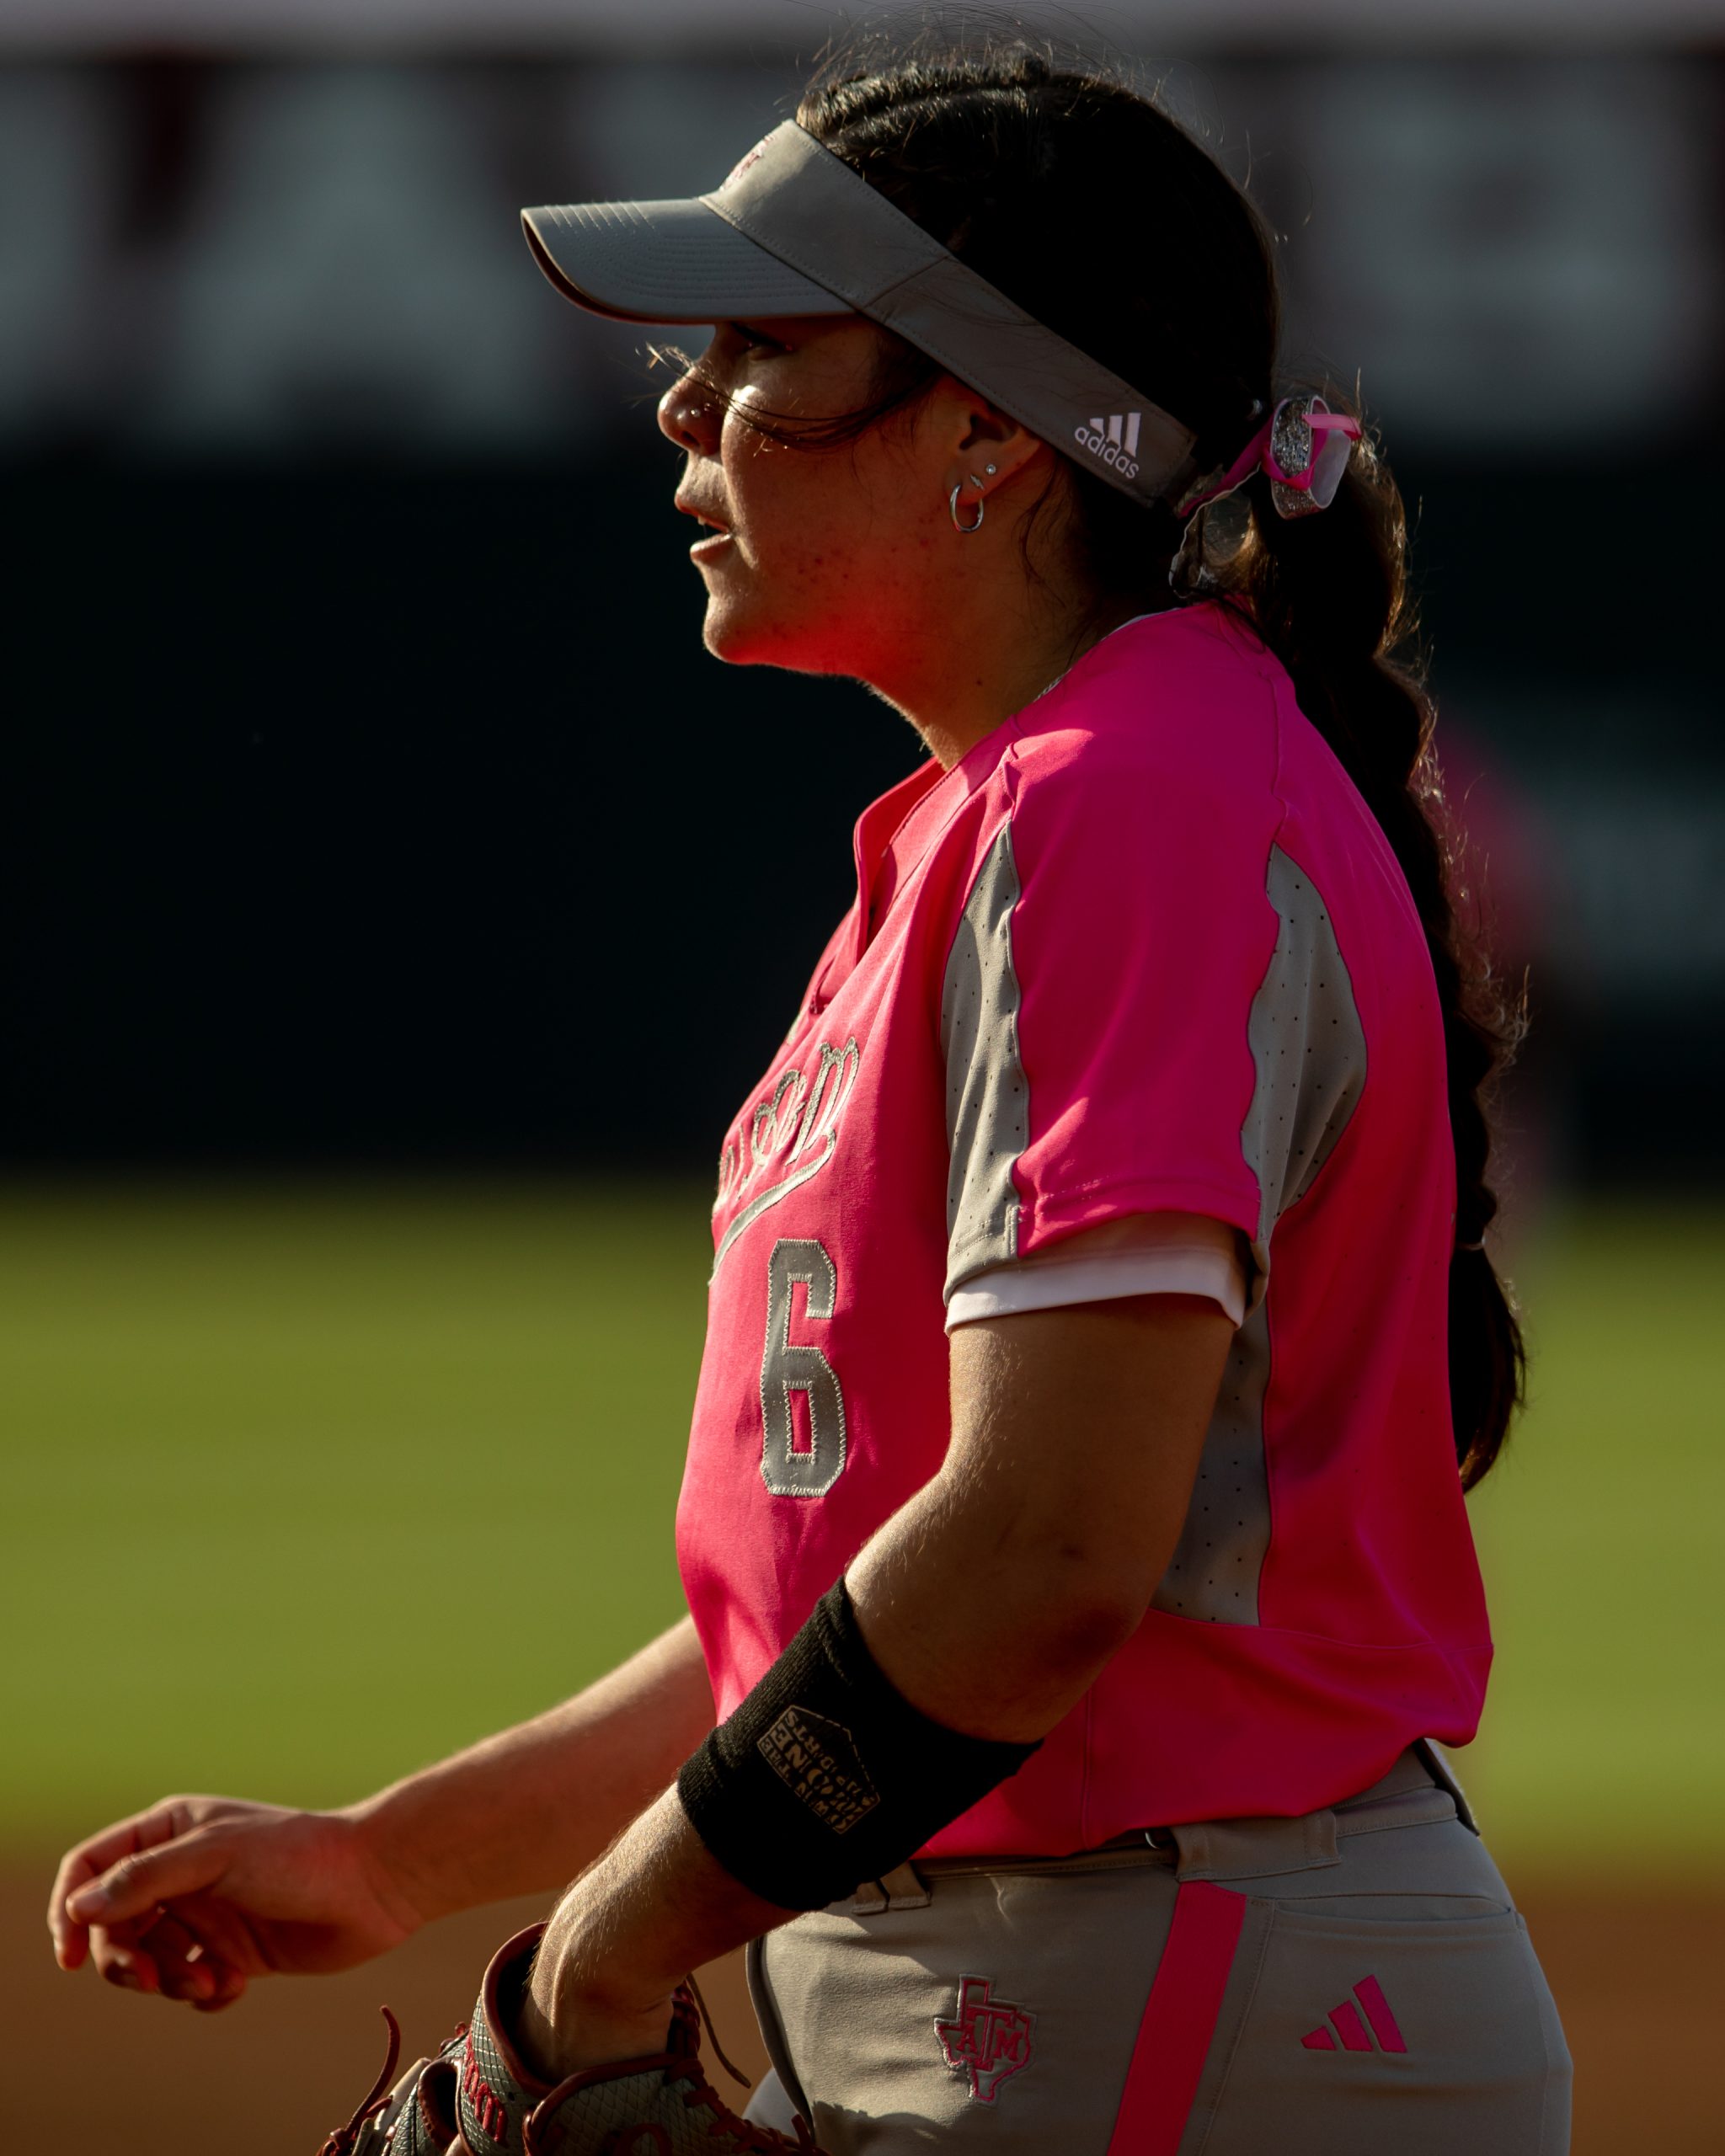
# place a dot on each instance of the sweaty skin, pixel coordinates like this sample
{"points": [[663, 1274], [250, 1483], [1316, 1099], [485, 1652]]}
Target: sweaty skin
{"points": [[1075, 1432]]}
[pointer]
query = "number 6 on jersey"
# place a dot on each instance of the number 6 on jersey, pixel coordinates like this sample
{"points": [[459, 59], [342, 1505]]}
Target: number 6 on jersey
{"points": [[788, 1367]]}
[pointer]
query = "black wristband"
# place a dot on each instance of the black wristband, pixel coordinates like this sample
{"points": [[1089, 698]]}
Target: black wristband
{"points": [[826, 1775]]}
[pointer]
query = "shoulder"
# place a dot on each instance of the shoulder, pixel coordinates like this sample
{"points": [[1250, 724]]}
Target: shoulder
{"points": [[1171, 725]]}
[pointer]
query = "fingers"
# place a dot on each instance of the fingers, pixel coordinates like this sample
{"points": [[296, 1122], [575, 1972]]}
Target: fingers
{"points": [[205, 1953], [77, 1867], [230, 1985], [119, 1957], [90, 1859], [138, 1883], [188, 1968], [202, 1980], [107, 1907], [166, 1958], [72, 1942]]}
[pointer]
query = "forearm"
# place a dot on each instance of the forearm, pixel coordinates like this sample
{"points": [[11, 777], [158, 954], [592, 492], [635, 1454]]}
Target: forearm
{"points": [[526, 1810], [656, 1906], [1053, 1622]]}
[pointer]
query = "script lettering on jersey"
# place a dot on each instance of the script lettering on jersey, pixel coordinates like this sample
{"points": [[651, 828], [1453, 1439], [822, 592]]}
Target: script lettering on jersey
{"points": [[788, 1136]]}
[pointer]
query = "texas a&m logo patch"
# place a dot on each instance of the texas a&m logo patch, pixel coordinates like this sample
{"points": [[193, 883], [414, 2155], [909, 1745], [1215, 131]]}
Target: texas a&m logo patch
{"points": [[989, 2039]]}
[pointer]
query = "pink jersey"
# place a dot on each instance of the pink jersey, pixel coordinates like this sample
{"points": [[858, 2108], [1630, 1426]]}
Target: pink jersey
{"points": [[1144, 950]]}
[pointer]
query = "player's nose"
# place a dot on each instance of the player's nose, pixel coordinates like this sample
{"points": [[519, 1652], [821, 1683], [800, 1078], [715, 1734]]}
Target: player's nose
{"points": [[689, 416]]}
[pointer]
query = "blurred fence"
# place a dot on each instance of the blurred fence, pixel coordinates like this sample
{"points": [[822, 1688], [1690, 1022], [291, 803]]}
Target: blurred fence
{"points": [[367, 765]]}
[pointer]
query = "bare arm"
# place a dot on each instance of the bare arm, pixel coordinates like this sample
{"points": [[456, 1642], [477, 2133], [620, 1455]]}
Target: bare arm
{"points": [[1076, 1439], [199, 1894], [526, 1810]]}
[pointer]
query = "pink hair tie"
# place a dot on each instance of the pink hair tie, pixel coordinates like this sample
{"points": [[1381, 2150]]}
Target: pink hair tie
{"points": [[1303, 448]]}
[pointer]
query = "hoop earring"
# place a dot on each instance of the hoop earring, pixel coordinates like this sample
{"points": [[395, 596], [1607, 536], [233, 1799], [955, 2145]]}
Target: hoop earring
{"points": [[952, 506]]}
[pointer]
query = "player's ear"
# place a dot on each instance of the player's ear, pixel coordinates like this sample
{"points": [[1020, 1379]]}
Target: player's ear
{"points": [[985, 446]]}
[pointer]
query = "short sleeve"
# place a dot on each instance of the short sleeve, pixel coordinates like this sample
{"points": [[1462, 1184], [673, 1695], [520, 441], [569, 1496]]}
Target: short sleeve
{"points": [[1143, 1011], [1141, 1254]]}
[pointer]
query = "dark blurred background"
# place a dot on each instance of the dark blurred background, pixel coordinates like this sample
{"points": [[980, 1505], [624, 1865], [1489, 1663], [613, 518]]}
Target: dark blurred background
{"points": [[369, 795]]}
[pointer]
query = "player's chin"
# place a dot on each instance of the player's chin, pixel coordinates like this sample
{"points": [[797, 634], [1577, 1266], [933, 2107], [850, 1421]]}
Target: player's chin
{"points": [[742, 636]]}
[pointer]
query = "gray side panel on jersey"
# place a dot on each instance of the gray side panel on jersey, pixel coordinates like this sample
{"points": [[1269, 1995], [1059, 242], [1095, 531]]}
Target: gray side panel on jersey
{"points": [[1214, 1569], [988, 1100], [1309, 1047]]}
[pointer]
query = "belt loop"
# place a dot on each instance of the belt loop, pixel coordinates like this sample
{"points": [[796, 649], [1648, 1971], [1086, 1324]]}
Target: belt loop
{"points": [[1192, 1851], [1437, 1763], [1255, 1849], [902, 1888]]}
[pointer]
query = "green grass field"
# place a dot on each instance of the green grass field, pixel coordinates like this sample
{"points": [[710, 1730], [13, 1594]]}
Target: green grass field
{"points": [[1603, 1747], [306, 1485]]}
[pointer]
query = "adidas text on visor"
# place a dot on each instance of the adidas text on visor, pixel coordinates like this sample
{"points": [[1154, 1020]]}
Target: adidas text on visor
{"points": [[795, 231]]}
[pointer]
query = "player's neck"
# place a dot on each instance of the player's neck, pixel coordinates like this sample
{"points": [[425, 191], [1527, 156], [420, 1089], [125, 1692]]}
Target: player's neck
{"points": [[956, 688]]}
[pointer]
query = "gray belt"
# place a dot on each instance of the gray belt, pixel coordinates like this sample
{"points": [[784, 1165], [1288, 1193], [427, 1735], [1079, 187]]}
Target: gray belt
{"points": [[1420, 1789]]}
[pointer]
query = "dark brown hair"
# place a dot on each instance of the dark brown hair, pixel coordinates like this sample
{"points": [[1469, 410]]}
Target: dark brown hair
{"points": [[1075, 193]]}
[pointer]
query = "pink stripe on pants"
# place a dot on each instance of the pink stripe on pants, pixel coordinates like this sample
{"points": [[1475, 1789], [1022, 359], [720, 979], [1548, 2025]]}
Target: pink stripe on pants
{"points": [[1179, 2020]]}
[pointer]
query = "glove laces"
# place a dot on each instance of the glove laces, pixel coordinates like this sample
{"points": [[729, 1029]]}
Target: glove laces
{"points": [[341, 2142]]}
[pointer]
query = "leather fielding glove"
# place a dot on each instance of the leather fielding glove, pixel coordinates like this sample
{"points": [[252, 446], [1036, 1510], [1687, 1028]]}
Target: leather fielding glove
{"points": [[479, 2098]]}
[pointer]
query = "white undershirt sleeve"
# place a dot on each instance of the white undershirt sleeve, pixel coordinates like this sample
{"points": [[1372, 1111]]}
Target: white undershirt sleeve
{"points": [[1144, 1254]]}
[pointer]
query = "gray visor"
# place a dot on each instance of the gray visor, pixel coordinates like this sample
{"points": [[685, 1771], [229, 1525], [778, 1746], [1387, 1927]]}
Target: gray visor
{"points": [[795, 231]]}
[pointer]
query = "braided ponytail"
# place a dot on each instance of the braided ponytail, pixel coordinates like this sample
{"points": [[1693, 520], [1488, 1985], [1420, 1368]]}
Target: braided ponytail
{"points": [[1328, 594], [1003, 153]]}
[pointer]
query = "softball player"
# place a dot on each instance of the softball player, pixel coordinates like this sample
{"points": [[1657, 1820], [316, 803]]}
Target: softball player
{"points": [[1072, 1527]]}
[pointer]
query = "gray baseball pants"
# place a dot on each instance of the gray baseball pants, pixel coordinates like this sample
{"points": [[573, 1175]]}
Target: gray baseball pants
{"points": [[1354, 1983]]}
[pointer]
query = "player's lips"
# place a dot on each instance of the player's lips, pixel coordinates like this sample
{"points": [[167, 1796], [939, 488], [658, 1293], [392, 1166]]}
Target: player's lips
{"points": [[717, 537]]}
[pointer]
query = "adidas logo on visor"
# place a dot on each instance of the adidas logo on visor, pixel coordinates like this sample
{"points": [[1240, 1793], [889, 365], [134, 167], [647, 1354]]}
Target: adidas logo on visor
{"points": [[1114, 440]]}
